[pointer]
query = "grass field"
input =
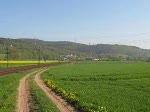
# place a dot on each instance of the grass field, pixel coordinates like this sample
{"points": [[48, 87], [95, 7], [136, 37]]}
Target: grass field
{"points": [[8, 91], [118, 86]]}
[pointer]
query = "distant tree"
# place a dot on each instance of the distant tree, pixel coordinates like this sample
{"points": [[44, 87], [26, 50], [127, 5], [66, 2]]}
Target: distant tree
{"points": [[148, 60]]}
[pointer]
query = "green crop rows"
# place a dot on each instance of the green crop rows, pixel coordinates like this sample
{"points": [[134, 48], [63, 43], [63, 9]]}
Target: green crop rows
{"points": [[118, 86]]}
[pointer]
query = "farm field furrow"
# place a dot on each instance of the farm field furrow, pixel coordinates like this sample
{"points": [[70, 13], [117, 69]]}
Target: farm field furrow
{"points": [[118, 86]]}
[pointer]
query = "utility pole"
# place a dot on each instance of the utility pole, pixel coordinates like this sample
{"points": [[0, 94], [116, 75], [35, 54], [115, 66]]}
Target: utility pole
{"points": [[39, 56], [7, 50], [59, 58], [38, 52]]}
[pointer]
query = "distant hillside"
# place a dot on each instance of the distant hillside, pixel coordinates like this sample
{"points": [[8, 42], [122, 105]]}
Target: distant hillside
{"points": [[28, 49]]}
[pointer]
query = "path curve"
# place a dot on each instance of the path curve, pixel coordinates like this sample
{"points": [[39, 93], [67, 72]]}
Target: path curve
{"points": [[61, 104], [24, 94]]}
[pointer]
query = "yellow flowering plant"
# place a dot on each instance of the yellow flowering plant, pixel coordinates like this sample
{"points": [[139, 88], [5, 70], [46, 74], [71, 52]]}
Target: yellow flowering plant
{"points": [[72, 99]]}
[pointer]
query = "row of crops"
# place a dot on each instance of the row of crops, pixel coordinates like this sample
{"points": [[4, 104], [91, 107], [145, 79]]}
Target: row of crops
{"points": [[111, 86]]}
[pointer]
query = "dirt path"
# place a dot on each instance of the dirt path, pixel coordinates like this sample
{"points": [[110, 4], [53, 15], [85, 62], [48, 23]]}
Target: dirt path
{"points": [[62, 105], [24, 94], [23, 99]]}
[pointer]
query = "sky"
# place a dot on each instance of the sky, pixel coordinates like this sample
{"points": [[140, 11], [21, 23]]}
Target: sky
{"points": [[83, 21]]}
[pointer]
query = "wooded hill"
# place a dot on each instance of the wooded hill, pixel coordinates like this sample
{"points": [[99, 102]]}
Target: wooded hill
{"points": [[32, 49]]}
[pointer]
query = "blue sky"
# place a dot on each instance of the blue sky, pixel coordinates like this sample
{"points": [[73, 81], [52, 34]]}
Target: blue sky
{"points": [[84, 21]]}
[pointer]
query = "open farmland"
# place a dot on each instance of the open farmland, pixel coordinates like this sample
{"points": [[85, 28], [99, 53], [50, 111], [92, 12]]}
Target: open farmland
{"points": [[116, 86]]}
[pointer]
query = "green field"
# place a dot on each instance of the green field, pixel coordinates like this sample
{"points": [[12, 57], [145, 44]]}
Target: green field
{"points": [[118, 86], [8, 91]]}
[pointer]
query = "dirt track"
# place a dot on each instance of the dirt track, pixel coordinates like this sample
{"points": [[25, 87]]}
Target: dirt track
{"points": [[23, 94], [23, 99], [62, 105]]}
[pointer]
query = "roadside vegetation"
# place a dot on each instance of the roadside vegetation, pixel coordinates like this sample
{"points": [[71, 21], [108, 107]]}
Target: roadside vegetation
{"points": [[111, 86]]}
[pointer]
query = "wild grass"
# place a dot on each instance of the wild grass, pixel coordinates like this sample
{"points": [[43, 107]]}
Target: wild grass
{"points": [[118, 86]]}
